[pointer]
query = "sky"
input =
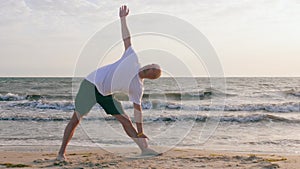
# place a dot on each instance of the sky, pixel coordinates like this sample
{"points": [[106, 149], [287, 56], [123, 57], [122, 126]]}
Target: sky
{"points": [[250, 37]]}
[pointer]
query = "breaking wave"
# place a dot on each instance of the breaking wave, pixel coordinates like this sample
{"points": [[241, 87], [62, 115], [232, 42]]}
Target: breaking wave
{"points": [[31, 97], [293, 92], [250, 118], [66, 105]]}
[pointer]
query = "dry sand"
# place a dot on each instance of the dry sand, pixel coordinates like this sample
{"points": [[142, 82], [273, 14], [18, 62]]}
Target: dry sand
{"points": [[79, 157]]}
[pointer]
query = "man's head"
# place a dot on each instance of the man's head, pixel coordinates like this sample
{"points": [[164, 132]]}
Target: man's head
{"points": [[152, 71]]}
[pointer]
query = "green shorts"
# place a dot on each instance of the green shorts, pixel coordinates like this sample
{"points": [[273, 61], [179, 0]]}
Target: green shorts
{"points": [[88, 96]]}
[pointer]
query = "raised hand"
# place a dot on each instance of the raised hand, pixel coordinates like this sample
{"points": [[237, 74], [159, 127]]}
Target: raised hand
{"points": [[123, 11]]}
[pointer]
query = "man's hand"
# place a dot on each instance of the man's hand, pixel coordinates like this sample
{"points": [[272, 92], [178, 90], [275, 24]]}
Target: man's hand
{"points": [[143, 136], [123, 11]]}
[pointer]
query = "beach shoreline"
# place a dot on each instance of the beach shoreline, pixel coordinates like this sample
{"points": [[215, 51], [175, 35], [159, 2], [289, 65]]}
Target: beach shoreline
{"points": [[128, 157]]}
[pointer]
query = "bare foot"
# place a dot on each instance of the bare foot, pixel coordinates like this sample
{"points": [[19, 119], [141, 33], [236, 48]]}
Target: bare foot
{"points": [[150, 152], [61, 158]]}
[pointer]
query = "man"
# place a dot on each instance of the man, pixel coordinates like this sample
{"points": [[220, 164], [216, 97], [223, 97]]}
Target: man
{"points": [[125, 76]]}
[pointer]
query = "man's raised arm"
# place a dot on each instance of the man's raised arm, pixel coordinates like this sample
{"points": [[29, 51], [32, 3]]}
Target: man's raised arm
{"points": [[125, 32]]}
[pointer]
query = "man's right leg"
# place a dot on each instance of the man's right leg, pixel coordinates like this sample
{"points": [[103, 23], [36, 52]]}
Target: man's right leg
{"points": [[84, 101], [69, 131]]}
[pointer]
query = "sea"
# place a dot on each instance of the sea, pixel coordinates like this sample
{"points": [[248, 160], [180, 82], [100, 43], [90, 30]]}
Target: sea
{"points": [[248, 114]]}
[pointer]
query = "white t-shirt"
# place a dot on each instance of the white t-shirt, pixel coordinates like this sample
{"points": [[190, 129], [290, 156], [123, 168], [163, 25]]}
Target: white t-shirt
{"points": [[121, 76]]}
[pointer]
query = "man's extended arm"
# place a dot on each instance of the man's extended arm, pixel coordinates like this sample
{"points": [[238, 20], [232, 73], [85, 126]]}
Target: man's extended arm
{"points": [[138, 118], [125, 32]]}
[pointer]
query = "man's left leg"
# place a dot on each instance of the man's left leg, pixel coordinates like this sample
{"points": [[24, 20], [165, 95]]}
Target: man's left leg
{"points": [[114, 107], [132, 133]]}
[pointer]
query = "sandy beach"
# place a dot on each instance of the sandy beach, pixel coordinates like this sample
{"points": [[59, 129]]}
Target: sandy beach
{"points": [[83, 157]]}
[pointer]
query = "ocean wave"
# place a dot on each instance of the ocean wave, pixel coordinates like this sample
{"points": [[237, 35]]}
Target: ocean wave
{"points": [[267, 107], [293, 92], [11, 97], [229, 118], [32, 97], [179, 95], [42, 104], [249, 118], [192, 95], [66, 105]]}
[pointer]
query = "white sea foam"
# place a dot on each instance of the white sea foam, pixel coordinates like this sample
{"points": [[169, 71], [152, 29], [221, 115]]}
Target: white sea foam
{"points": [[11, 97], [65, 105]]}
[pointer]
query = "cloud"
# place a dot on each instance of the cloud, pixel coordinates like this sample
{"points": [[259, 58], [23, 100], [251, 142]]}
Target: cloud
{"points": [[52, 17], [26, 24], [62, 7]]}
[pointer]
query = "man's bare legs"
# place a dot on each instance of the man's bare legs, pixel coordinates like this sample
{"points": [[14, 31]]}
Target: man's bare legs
{"points": [[68, 134], [132, 133], [123, 119]]}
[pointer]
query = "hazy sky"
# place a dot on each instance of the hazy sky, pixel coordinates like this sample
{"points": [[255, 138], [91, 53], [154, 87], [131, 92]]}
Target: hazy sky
{"points": [[251, 37]]}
